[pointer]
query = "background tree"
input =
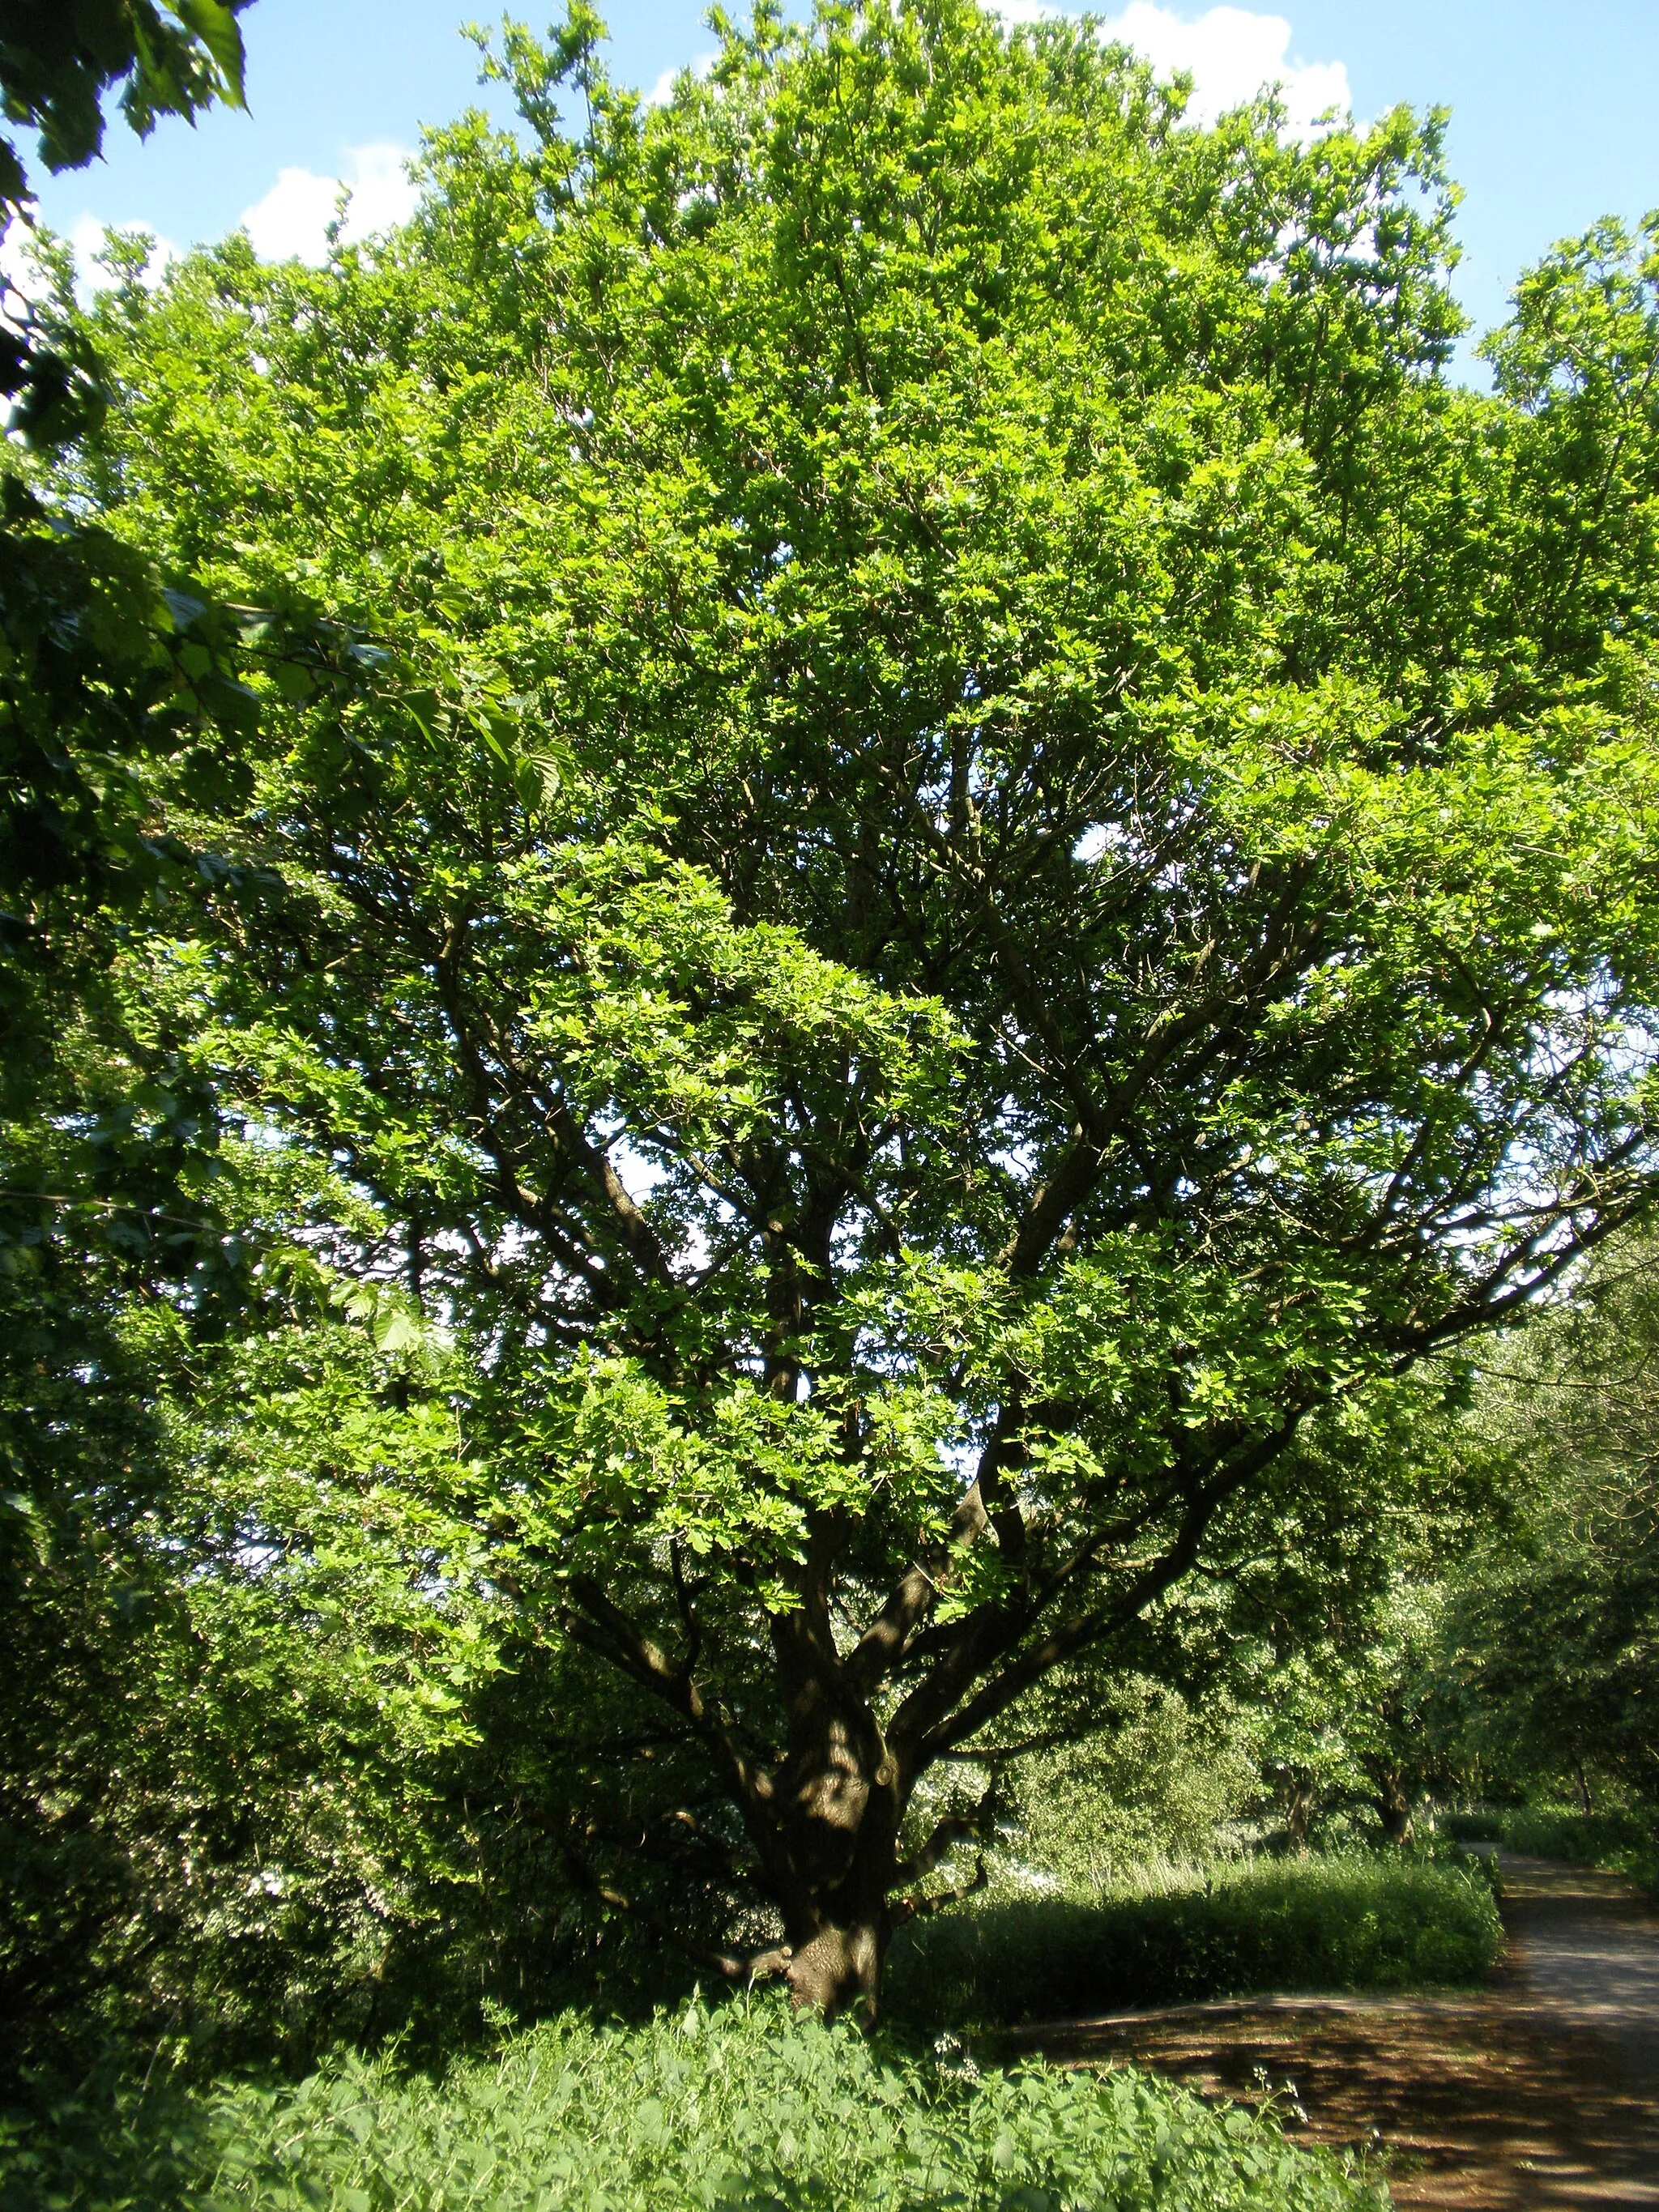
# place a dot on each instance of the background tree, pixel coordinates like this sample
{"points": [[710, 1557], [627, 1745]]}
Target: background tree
{"points": [[1554, 1639], [1027, 866], [97, 652], [1348, 1722], [129, 1235]]}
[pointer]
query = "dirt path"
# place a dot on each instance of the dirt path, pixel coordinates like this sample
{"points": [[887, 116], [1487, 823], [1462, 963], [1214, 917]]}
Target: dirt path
{"points": [[1538, 2094]]}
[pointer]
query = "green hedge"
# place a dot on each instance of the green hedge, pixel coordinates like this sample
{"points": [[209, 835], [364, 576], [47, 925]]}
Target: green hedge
{"points": [[736, 2107], [1357, 1922]]}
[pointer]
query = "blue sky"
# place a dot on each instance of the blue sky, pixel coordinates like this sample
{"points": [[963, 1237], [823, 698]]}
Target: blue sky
{"points": [[1553, 108]]}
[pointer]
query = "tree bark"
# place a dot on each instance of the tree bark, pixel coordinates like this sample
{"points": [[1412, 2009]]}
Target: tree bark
{"points": [[840, 1802], [840, 1950], [1298, 1802], [1394, 1807]]}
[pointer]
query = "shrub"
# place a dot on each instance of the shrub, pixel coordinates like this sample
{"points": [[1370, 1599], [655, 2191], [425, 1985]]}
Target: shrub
{"points": [[1472, 1824], [1626, 1840], [1563, 1832], [736, 2106], [1351, 1923]]}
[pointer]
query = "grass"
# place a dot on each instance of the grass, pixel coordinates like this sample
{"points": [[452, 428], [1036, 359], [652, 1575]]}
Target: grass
{"points": [[1354, 1922], [738, 2106]]}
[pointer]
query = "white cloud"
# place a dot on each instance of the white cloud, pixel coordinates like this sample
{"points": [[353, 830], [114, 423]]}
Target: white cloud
{"points": [[662, 91], [1231, 53], [291, 222]]}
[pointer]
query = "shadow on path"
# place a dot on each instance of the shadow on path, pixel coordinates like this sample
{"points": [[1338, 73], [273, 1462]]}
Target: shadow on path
{"points": [[1540, 2093]]}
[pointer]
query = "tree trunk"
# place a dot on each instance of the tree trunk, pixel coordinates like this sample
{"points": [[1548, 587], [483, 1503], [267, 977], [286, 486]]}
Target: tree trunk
{"points": [[841, 1961], [842, 1802], [1394, 1809], [1298, 1799]]}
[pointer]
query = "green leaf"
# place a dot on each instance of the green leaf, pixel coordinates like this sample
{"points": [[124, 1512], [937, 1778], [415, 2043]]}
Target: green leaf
{"points": [[293, 681], [215, 25]]}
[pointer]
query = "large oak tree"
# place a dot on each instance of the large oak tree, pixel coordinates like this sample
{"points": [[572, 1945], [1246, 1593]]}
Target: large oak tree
{"points": [[984, 852]]}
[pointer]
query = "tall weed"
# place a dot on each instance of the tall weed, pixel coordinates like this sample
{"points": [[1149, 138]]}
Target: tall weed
{"points": [[1356, 1922]]}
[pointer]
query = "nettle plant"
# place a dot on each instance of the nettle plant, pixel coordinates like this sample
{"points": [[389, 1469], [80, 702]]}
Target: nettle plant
{"points": [[1022, 865]]}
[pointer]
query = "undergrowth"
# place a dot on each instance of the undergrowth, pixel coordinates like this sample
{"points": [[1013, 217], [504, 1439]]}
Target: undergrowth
{"points": [[1354, 1921], [1625, 1840], [741, 2106]]}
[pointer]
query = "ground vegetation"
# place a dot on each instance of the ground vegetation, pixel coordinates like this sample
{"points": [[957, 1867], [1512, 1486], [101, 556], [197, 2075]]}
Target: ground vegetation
{"points": [[1354, 1920], [737, 2106]]}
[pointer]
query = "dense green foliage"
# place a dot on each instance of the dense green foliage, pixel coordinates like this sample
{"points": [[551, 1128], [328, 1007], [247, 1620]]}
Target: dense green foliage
{"points": [[97, 660], [1347, 1717], [1625, 1840], [118, 1242], [1345, 1922], [1513, 1658], [701, 2109], [1554, 1633], [1163, 1782], [59, 64], [223, 1812]]}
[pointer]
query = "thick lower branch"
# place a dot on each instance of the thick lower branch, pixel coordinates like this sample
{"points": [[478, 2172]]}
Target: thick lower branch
{"points": [[956, 1828], [605, 1628], [919, 1908]]}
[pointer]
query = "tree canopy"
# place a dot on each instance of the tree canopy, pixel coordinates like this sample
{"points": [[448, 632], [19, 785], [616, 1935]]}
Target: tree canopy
{"points": [[103, 660], [997, 857]]}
